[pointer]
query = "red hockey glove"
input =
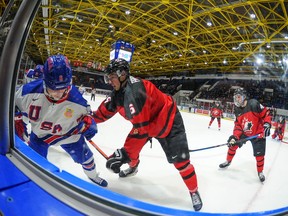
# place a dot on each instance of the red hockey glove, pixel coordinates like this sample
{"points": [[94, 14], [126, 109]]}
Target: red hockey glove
{"points": [[20, 127], [88, 127]]}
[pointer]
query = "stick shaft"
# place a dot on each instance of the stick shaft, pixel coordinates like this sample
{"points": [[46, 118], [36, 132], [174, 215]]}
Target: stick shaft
{"points": [[98, 149], [215, 146]]}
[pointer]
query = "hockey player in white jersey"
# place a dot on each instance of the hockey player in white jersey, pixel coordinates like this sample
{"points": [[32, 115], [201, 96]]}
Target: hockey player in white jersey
{"points": [[58, 115]]}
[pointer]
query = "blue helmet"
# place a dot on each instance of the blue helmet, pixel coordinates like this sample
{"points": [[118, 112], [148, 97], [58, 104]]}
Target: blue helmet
{"points": [[57, 72], [38, 71]]}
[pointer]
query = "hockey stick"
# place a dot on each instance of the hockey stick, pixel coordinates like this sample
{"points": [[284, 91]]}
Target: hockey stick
{"points": [[98, 149], [215, 146]]}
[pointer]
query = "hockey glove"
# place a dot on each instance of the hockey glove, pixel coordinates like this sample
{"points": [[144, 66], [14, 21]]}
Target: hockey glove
{"points": [[117, 159], [20, 127], [232, 141], [266, 131], [88, 127]]}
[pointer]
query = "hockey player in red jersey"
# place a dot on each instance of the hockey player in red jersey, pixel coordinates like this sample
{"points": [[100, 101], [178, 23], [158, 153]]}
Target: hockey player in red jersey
{"points": [[251, 119], [152, 114], [279, 129], [216, 112]]}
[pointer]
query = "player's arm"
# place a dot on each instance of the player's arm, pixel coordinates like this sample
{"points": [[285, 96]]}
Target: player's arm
{"points": [[266, 116], [87, 127], [105, 111], [129, 153], [237, 131]]}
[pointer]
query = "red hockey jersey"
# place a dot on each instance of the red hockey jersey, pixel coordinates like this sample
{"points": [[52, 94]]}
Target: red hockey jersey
{"points": [[149, 110], [216, 111], [250, 119]]}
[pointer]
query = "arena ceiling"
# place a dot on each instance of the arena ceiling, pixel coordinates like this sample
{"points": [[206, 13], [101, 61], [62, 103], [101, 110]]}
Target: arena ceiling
{"points": [[170, 37]]}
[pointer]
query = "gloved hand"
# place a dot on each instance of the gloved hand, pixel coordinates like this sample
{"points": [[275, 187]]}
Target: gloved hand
{"points": [[87, 126], [232, 141], [117, 159], [20, 127], [266, 130]]}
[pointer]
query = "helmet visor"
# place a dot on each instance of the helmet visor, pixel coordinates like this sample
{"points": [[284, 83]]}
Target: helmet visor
{"points": [[109, 77]]}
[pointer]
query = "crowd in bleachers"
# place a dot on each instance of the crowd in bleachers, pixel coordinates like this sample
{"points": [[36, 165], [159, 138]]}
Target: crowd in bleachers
{"points": [[90, 80], [271, 93]]}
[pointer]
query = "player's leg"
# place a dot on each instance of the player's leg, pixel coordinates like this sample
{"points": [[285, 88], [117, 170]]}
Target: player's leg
{"points": [[259, 149], [176, 150], [211, 121], [81, 154], [219, 123], [229, 157]]}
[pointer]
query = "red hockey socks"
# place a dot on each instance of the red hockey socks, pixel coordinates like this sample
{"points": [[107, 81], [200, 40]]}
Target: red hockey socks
{"points": [[260, 163], [188, 174], [231, 153]]}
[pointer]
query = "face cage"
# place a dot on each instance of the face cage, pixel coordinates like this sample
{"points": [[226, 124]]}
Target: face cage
{"points": [[65, 93], [239, 100]]}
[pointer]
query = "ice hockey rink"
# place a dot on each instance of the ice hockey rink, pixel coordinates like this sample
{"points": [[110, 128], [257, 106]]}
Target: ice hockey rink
{"points": [[236, 189]]}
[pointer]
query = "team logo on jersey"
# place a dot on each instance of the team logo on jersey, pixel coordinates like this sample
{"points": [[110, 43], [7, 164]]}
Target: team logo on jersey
{"points": [[68, 113], [247, 126]]}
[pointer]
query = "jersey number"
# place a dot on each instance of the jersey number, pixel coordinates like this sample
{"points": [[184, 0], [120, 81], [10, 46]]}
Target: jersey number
{"points": [[132, 109]]}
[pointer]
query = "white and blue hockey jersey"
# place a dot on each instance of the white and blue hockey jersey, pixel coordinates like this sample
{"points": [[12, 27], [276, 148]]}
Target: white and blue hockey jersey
{"points": [[52, 122]]}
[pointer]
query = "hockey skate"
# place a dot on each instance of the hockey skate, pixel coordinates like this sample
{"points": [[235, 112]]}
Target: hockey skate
{"points": [[196, 200], [261, 176], [99, 181], [225, 164], [131, 171]]}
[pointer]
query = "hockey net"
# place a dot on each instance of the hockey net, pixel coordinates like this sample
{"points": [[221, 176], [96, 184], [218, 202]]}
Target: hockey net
{"points": [[285, 137]]}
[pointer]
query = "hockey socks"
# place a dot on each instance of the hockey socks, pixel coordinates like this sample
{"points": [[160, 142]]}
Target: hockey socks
{"points": [[187, 173], [89, 168]]}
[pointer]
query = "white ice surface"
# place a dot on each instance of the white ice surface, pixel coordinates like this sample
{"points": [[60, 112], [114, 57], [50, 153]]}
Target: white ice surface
{"points": [[236, 189]]}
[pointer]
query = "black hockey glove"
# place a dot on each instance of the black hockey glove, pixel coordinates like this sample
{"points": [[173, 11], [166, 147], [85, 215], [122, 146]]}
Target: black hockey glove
{"points": [[232, 141], [117, 159], [266, 130]]}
